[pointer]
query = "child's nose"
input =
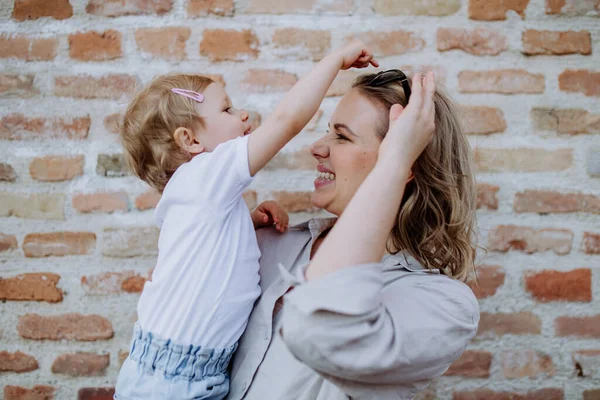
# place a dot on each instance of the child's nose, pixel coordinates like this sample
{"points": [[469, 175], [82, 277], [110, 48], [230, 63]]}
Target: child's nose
{"points": [[245, 115]]}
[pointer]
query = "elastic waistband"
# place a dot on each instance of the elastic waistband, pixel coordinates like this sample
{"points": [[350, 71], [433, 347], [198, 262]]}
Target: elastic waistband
{"points": [[193, 362]]}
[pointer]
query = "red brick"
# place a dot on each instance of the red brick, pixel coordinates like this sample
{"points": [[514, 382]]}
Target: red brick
{"points": [[529, 240], [587, 363], [130, 242], [556, 42], [38, 286], [21, 86], [34, 9], [112, 122], [522, 160], [342, 83], [59, 244], [481, 120], [19, 127], [572, 7], [28, 48], [486, 394], [479, 41], [203, 8], [496, 325], [8, 242], [546, 286], [489, 279], [250, 197], [593, 394], [505, 81], [38, 392], [471, 364], [7, 172], [95, 46], [294, 201], [147, 201], [416, 7], [591, 243], [298, 44], [96, 394], [268, 80], [580, 81], [103, 202], [117, 8], [495, 10], [80, 364], [71, 326], [297, 160], [439, 71], [526, 363], [91, 87], [390, 43], [33, 206], [580, 327], [111, 283], [17, 362], [229, 45], [134, 284], [592, 163], [486, 196], [569, 120], [545, 201], [167, 43], [56, 168], [299, 7]]}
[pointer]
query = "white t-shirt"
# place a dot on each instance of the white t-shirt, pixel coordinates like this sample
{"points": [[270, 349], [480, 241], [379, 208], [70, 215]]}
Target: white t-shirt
{"points": [[206, 278]]}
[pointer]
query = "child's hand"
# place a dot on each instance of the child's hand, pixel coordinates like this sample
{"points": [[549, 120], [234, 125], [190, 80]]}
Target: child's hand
{"points": [[355, 55], [270, 213]]}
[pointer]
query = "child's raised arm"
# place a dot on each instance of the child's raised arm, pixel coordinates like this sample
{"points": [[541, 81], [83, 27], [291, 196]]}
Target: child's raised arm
{"points": [[301, 103]]}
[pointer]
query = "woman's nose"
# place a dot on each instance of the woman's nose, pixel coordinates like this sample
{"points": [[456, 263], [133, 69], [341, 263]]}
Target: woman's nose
{"points": [[320, 149]]}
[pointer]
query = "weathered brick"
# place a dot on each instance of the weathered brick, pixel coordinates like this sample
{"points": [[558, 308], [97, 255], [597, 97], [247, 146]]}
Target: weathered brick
{"points": [[495, 10], [342, 83], [587, 363], [81, 364], [545, 201], [522, 160], [593, 162], [489, 279], [299, 44], [294, 201], [569, 120], [134, 284], [71, 326], [486, 394], [486, 196], [56, 168], [580, 327], [500, 324], [95, 394], [546, 286], [21, 86], [471, 364], [556, 42], [8, 242], [390, 43], [103, 202], [91, 87], [95, 46], [17, 126], [17, 362], [28, 48], [112, 122], [203, 8], [591, 243], [117, 8], [130, 242], [481, 120], [299, 7], [479, 41], [229, 45], [250, 197], [111, 283], [591, 394], [38, 392], [526, 363], [147, 201], [297, 160], [573, 7], [167, 43], [123, 354], [34, 9], [580, 81], [268, 80], [416, 7], [529, 240], [38, 286], [59, 244], [505, 81], [33, 206], [111, 165], [7, 172]]}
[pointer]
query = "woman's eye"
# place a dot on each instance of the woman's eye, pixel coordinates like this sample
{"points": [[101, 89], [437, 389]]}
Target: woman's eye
{"points": [[340, 137]]}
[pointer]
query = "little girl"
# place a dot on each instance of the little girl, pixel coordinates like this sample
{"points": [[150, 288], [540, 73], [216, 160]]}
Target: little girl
{"points": [[183, 137]]}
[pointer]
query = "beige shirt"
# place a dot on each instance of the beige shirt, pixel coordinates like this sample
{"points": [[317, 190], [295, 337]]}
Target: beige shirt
{"points": [[374, 331]]}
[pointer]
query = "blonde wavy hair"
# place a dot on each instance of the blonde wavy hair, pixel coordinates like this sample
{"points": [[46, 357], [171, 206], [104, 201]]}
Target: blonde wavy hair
{"points": [[151, 151], [436, 220]]}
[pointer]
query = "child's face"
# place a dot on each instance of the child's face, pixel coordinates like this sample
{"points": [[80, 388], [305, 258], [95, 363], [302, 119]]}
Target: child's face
{"points": [[223, 122]]}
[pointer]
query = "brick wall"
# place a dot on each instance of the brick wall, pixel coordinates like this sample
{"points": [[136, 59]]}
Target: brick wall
{"points": [[76, 235]]}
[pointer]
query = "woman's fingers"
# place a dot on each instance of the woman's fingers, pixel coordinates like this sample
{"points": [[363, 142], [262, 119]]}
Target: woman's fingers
{"points": [[416, 97], [429, 90]]}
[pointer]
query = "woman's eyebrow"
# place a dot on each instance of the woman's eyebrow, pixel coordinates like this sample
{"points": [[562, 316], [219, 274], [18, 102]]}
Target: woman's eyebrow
{"points": [[344, 127]]}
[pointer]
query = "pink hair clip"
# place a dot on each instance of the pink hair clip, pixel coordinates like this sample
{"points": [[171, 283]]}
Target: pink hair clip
{"points": [[190, 94]]}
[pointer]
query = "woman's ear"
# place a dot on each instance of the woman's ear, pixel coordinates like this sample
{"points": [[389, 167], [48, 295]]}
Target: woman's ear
{"points": [[188, 142]]}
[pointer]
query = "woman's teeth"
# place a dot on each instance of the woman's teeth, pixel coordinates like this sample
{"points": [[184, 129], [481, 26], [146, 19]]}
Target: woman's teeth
{"points": [[326, 175]]}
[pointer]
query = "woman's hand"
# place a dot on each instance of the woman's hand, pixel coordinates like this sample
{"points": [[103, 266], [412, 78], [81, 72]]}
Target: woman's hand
{"points": [[270, 213], [411, 129], [355, 55]]}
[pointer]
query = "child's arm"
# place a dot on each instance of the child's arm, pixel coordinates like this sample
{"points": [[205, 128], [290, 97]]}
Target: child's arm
{"points": [[301, 103]]}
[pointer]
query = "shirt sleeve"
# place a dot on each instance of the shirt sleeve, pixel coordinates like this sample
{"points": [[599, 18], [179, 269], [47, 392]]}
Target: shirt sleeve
{"points": [[354, 332]]}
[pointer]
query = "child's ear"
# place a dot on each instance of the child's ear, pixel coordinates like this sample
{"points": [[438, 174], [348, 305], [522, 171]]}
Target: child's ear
{"points": [[188, 142]]}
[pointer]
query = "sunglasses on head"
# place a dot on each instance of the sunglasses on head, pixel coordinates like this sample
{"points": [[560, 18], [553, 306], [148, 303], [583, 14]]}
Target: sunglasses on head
{"points": [[392, 75]]}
